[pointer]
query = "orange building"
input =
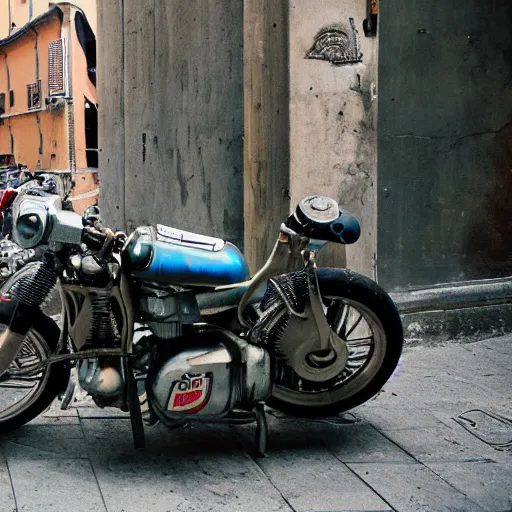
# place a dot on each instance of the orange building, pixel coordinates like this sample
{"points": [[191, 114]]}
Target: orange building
{"points": [[48, 104]]}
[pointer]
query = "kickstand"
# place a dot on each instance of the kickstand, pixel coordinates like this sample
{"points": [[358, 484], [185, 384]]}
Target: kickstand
{"points": [[261, 437], [132, 398]]}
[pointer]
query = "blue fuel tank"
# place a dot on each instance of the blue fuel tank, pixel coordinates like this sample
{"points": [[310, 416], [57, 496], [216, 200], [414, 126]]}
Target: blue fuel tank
{"points": [[169, 256]]}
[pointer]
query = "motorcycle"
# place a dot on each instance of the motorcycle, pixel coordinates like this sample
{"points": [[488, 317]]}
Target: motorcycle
{"points": [[12, 256], [168, 325]]}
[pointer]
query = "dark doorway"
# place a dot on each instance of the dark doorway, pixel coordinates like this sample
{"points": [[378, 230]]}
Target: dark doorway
{"points": [[91, 134], [87, 41]]}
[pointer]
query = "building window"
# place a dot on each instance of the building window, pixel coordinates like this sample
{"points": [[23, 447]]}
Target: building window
{"points": [[34, 94], [2, 103], [11, 98], [55, 68]]}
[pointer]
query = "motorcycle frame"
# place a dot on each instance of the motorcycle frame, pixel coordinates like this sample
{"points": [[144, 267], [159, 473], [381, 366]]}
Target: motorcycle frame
{"points": [[291, 252]]}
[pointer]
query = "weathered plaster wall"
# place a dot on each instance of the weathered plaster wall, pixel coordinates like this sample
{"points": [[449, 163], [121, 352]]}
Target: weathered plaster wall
{"points": [[332, 122], [4, 18], [445, 142], [182, 110]]}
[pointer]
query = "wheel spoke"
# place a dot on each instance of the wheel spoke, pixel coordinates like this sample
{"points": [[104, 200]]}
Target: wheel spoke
{"points": [[360, 342], [353, 328], [357, 356], [18, 385], [341, 321]]}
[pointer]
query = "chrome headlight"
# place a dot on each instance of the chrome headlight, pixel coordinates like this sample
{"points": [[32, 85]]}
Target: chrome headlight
{"points": [[30, 224]]}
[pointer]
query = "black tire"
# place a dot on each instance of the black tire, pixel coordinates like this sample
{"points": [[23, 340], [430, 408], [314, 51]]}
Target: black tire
{"points": [[56, 382], [352, 286]]}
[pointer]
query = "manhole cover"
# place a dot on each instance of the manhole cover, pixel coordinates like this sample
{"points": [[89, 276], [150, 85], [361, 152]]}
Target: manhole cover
{"points": [[490, 428]]}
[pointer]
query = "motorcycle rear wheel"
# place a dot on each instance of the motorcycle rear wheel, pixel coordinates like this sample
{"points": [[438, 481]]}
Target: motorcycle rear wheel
{"points": [[16, 406], [365, 316]]}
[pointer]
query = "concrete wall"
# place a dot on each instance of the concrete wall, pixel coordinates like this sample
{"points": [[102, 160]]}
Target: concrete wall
{"points": [[267, 125], [171, 114], [445, 138], [310, 123]]}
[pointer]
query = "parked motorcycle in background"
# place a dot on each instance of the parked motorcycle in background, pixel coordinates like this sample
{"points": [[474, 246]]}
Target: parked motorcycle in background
{"points": [[12, 256], [212, 343]]}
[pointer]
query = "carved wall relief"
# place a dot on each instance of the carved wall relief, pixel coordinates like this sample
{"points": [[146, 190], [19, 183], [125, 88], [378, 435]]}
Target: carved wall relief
{"points": [[337, 44]]}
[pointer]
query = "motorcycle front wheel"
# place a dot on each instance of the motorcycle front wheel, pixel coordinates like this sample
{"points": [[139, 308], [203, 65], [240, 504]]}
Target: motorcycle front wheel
{"points": [[364, 316], [22, 398]]}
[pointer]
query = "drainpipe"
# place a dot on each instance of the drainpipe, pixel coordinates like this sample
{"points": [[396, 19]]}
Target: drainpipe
{"points": [[37, 52], [70, 103], [69, 113], [36, 48]]}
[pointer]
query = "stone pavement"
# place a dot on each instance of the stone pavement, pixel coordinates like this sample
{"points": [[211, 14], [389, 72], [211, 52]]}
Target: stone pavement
{"points": [[436, 439]]}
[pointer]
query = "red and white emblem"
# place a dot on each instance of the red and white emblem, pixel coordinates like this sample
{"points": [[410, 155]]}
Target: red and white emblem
{"points": [[190, 394]]}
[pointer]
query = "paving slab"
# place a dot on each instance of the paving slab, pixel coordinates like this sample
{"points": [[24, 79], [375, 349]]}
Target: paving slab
{"points": [[489, 370], [50, 468], [56, 484], [46, 432], [501, 345], [363, 443], [97, 413], [200, 469], [351, 442], [488, 484], [445, 444], [55, 416], [39, 449], [414, 488], [440, 444], [306, 473], [398, 418], [7, 501]]}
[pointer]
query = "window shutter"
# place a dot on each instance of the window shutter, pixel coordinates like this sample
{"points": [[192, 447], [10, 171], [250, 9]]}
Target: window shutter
{"points": [[55, 67]]}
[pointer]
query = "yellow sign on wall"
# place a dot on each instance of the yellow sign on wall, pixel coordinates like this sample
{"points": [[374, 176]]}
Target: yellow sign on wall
{"points": [[375, 6]]}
